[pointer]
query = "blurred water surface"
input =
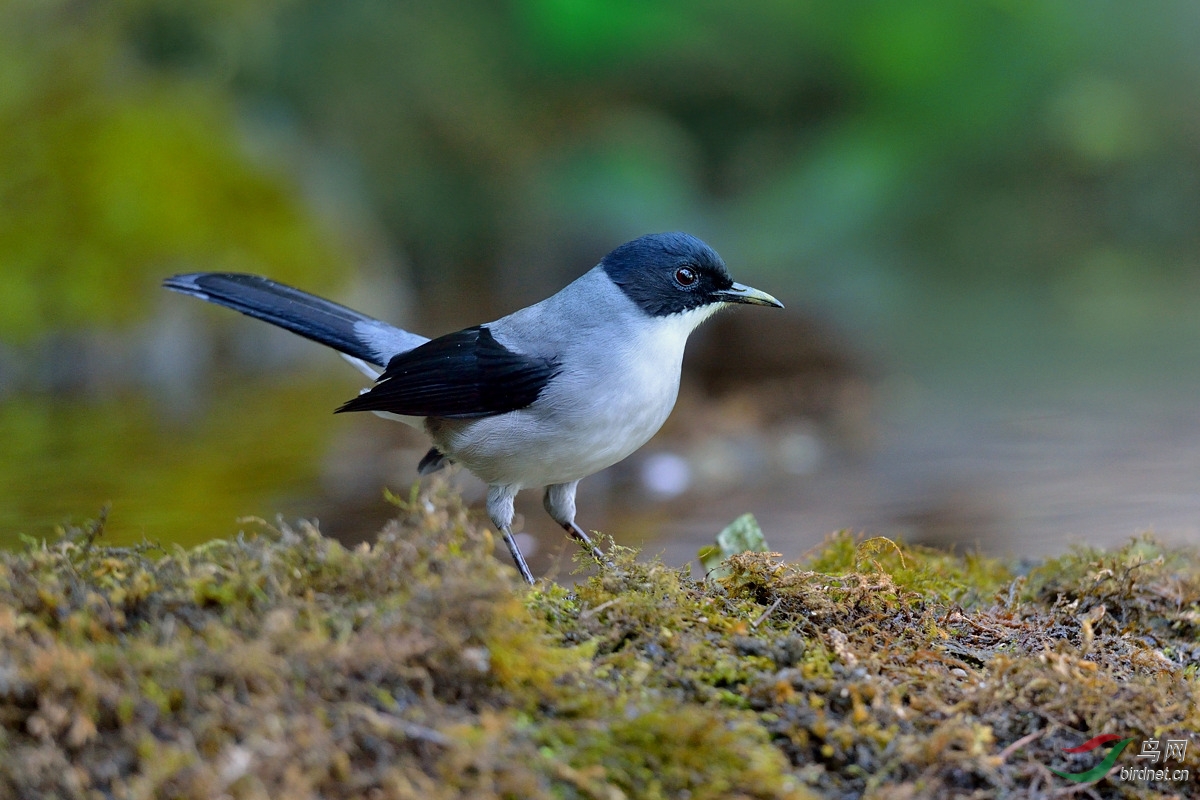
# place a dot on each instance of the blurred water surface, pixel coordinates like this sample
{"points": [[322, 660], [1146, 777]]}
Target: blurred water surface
{"points": [[168, 477]]}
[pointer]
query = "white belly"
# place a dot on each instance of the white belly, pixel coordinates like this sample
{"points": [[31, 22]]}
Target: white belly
{"points": [[554, 441], [587, 418]]}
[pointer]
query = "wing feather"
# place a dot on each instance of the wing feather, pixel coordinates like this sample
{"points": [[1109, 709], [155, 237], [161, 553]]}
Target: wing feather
{"points": [[457, 376]]}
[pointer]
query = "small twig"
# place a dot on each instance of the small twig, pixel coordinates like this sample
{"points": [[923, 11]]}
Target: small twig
{"points": [[1019, 743], [766, 613], [423, 733], [872, 544], [1076, 789], [412, 730], [962, 616], [597, 609]]}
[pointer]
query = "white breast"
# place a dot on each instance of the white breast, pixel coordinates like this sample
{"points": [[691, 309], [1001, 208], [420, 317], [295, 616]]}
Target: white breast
{"points": [[607, 402]]}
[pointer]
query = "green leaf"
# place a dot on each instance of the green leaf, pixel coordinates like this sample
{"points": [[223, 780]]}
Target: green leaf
{"points": [[743, 535]]}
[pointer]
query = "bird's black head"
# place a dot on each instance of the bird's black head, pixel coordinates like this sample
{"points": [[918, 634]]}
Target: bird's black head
{"points": [[668, 273]]}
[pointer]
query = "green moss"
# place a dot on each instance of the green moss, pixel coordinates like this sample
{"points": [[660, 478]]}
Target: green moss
{"points": [[967, 579], [279, 663]]}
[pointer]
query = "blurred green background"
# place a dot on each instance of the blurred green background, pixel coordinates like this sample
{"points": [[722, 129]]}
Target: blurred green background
{"points": [[982, 216]]}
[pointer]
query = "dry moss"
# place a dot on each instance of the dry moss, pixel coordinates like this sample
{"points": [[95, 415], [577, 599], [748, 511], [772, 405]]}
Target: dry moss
{"points": [[283, 665]]}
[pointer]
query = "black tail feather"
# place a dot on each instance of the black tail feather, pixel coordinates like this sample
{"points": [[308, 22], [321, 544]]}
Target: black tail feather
{"points": [[301, 313]]}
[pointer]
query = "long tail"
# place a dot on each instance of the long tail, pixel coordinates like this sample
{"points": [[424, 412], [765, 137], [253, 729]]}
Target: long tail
{"points": [[345, 330]]}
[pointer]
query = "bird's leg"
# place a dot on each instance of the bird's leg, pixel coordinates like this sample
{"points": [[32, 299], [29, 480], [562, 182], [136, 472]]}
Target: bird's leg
{"points": [[518, 557], [559, 501], [500, 509]]}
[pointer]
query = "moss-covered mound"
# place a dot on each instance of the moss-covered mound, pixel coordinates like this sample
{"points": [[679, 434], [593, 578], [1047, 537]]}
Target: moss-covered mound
{"points": [[283, 665]]}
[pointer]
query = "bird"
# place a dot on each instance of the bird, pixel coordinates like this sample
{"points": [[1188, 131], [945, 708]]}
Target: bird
{"points": [[542, 397]]}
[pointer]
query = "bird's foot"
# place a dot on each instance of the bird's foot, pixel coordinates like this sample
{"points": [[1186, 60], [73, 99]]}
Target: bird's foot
{"points": [[578, 533]]}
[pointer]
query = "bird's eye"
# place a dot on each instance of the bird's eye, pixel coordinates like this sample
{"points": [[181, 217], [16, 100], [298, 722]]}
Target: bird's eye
{"points": [[686, 276]]}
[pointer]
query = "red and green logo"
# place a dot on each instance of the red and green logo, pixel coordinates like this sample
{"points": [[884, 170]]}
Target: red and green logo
{"points": [[1101, 769]]}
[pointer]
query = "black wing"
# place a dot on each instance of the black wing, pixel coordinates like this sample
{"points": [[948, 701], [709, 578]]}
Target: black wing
{"points": [[457, 376]]}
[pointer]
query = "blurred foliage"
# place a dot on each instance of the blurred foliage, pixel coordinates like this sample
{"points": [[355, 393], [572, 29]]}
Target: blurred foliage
{"points": [[884, 149], [887, 150], [875, 151], [948, 180], [114, 172]]}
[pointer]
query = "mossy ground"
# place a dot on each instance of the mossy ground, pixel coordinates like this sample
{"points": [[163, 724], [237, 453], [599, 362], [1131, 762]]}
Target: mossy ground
{"points": [[284, 665]]}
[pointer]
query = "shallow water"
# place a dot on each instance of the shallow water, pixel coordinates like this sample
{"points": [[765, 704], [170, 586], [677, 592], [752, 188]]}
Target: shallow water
{"points": [[1022, 475], [169, 474]]}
